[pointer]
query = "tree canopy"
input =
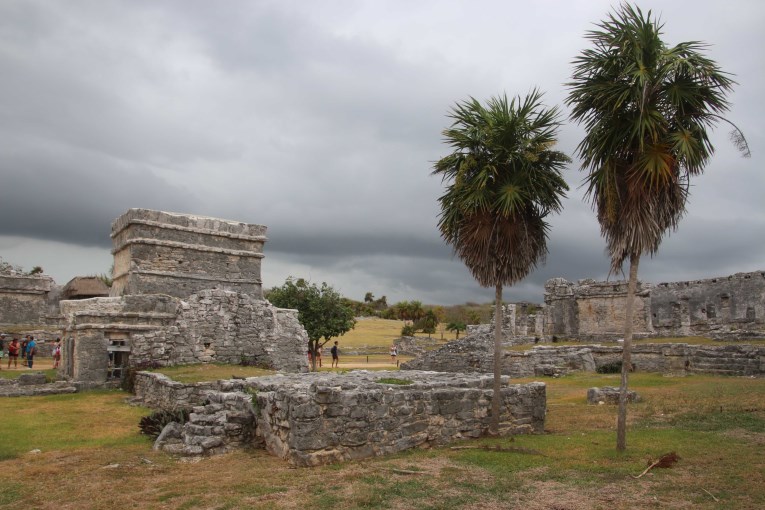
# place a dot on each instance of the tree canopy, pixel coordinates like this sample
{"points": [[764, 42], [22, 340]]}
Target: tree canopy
{"points": [[503, 180], [321, 309], [646, 108]]}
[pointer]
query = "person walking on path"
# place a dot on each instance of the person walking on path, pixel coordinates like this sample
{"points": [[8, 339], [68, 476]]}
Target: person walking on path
{"points": [[24, 348], [318, 356], [31, 351], [57, 353], [335, 358], [13, 353], [393, 353]]}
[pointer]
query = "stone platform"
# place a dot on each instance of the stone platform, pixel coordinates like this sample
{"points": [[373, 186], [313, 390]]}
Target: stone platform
{"points": [[319, 418]]}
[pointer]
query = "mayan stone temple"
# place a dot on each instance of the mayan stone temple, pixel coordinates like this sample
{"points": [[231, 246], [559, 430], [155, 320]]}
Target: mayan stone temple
{"points": [[186, 289]]}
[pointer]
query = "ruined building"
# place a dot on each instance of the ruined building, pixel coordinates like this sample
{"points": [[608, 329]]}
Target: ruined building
{"points": [[730, 307], [186, 289]]}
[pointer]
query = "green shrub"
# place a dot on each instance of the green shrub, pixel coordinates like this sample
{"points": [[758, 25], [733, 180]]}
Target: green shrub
{"points": [[614, 367]]}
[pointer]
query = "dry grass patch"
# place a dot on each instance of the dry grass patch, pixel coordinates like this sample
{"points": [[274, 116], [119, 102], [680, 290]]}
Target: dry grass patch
{"points": [[115, 467]]}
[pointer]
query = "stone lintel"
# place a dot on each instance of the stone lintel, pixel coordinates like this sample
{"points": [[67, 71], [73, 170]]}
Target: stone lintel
{"points": [[186, 246], [166, 226], [187, 276], [187, 222]]}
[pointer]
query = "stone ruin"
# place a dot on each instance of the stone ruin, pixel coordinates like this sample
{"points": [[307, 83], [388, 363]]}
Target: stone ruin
{"points": [[475, 354], [318, 418], [186, 289], [522, 323], [28, 300], [726, 308]]}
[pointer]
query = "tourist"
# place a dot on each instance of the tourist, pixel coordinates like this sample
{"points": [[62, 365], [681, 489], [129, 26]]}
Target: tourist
{"points": [[393, 353], [318, 355], [31, 351], [57, 353], [24, 348], [13, 353], [2, 349], [335, 358]]}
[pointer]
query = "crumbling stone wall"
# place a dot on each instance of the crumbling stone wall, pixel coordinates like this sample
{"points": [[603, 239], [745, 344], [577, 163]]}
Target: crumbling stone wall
{"points": [[726, 307], [157, 252], [475, 354], [320, 418], [590, 310], [186, 289], [731, 307], [27, 299], [522, 323], [157, 330]]}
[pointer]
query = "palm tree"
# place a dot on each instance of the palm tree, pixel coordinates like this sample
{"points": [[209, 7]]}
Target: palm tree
{"points": [[504, 179], [646, 108]]}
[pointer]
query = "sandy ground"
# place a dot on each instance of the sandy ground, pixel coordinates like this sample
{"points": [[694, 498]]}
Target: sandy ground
{"points": [[40, 363]]}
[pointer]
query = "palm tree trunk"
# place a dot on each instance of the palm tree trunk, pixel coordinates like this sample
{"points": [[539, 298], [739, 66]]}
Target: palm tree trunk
{"points": [[621, 423], [497, 397]]}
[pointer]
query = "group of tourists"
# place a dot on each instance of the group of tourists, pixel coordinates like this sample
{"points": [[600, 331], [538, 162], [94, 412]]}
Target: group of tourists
{"points": [[335, 355], [27, 350]]}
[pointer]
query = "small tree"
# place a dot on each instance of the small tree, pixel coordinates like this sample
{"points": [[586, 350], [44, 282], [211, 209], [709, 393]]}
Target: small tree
{"points": [[428, 322], [321, 311], [456, 326], [503, 181]]}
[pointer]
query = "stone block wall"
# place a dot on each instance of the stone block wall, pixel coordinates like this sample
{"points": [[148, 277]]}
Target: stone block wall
{"points": [[725, 307], [475, 354], [521, 323], [731, 307], [159, 330], [590, 310], [158, 252], [319, 418], [27, 299]]}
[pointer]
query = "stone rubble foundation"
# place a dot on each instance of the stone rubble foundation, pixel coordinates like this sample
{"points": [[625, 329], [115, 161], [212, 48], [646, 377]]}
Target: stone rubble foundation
{"points": [[320, 418]]}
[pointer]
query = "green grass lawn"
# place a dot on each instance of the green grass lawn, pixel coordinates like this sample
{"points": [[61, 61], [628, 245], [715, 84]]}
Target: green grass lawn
{"points": [[210, 372], [90, 445]]}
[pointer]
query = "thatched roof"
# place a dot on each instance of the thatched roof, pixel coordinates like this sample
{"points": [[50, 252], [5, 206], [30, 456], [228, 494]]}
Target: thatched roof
{"points": [[82, 287]]}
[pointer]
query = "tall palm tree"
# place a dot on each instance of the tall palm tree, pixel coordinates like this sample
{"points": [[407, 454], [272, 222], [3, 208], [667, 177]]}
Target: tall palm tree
{"points": [[504, 179], [646, 108]]}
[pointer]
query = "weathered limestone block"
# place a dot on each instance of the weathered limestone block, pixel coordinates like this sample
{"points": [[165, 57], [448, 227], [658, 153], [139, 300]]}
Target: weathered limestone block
{"points": [[475, 354], [158, 252], [360, 417], [28, 379], [609, 395]]}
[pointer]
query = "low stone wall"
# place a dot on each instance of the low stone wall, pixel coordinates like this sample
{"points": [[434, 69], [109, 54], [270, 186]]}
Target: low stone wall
{"points": [[323, 418], [226, 422], [475, 354], [33, 384], [319, 418]]}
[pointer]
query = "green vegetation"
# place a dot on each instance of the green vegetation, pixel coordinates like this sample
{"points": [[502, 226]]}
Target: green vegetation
{"points": [[50, 374], [201, 372], [96, 419], [646, 108], [321, 311], [715, 424], [503, 180]]}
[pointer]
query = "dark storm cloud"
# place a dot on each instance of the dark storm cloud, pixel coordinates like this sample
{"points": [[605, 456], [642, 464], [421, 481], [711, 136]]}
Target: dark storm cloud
{"points": [[322, 120]]}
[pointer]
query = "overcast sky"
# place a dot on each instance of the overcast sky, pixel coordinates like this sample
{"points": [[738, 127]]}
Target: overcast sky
{"points": [[321, 120]]}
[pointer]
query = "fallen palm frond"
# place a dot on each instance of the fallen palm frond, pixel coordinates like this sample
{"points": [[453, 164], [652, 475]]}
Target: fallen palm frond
{"points": [[665, 461]]}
